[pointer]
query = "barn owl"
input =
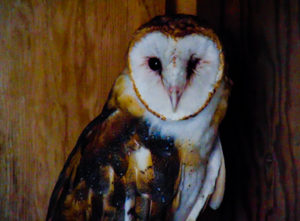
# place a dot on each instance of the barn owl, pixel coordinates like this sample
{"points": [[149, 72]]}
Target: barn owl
{"points": [[154, 151]]}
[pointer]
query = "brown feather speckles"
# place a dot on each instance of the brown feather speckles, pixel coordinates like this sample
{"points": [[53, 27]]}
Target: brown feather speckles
{"points": [[178, 26], [78, 203]]}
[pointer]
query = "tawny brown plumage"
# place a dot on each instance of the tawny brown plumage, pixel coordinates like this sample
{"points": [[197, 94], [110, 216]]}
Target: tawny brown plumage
{"points": [[127, 166]]}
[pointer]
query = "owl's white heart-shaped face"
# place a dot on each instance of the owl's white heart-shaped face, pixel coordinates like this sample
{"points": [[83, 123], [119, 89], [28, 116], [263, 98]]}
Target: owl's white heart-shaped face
{"points": [[175, 77]]}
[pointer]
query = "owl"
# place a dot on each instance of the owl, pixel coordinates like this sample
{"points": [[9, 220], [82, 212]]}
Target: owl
{"points": [[154, 152]]}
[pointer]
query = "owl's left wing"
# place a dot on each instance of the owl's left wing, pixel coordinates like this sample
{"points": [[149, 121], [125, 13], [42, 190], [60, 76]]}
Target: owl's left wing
{"points": [[217, 196], [214, 184]]}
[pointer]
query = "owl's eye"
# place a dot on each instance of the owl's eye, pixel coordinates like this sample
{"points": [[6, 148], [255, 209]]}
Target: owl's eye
{"points": [[155, 64], [191, 66]]}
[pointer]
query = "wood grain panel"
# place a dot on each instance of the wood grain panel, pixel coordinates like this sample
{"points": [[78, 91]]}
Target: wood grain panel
{"points": [[261, 131], [58, 60], [181, 7]]}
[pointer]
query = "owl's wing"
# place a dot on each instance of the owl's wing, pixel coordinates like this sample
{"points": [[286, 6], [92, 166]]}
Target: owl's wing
{"points": [[85, 188], [120, 169], [214, 184], [218, 194]]}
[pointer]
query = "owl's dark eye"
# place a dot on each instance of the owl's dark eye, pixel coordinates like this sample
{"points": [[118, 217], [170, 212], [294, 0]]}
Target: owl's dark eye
{"points": [[155, 64], [191, 66]]}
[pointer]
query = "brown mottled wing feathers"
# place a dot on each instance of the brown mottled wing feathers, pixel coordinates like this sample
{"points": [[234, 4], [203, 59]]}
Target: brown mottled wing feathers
{"points": [[72, 196], [105, 169]]}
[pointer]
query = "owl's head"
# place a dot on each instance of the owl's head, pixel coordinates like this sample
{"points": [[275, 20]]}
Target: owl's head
{"points": [[175, 65]]}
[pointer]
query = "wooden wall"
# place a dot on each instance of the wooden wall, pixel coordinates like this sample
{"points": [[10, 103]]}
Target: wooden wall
{"points": [[58, 60]]}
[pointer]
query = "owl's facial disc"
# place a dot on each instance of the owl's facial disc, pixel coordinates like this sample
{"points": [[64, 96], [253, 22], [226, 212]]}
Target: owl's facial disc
{"points": [[175, 77]]}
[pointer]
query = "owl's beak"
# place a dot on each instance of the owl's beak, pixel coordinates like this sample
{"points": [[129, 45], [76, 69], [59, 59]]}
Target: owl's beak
{"points": [[175, 88], [174, 95], [174, 100]]}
